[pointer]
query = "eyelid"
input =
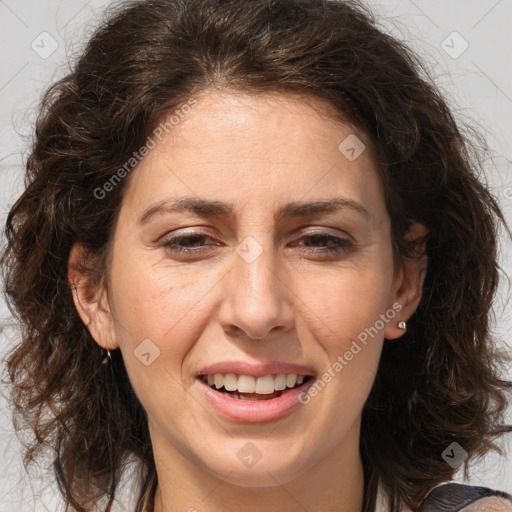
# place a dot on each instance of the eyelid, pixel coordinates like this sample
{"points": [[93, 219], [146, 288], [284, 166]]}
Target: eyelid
{"points": [[326, 230], [336, 246], [316, 230], [192, 231]]}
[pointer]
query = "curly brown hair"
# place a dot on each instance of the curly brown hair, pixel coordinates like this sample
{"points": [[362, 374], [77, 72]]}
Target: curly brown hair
{"points": [[147, 58]]}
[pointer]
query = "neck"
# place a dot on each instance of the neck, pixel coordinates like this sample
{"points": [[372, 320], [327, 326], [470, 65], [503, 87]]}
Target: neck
{"points": [[334, 483]]}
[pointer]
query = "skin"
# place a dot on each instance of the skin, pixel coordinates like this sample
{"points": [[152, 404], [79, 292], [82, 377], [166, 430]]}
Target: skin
{"points": [[293, 303], [491, 504]]}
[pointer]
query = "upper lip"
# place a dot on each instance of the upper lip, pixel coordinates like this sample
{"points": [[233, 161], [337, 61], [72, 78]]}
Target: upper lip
{"points": [[256, 370]]}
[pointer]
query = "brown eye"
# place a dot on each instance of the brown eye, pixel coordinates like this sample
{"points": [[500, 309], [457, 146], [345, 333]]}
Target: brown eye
{"points": [[323, 243], [187, 244]]}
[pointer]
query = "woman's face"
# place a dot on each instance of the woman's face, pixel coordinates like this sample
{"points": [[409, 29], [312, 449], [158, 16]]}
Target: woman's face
{"points": [[245, 279]]}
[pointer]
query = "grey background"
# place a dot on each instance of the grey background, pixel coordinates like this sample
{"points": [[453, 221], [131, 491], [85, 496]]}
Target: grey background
{"points": [[477, 83]]}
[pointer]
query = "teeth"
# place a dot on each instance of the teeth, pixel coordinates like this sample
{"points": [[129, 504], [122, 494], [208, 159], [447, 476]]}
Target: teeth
{"points": [[230, 382], [265, 385], [246, 384], [291, 380], [280, 382]]}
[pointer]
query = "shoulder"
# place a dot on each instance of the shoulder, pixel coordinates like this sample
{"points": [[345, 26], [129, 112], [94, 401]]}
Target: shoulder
{"points": [[490, 504], [455, 497]]}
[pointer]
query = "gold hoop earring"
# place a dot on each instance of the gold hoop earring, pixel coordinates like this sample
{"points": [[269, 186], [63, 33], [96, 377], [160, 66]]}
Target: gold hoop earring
{"points": [[107, 357]]}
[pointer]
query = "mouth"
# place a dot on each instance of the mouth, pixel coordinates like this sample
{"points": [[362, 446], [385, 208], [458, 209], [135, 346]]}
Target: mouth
{"points": [[254, 388]]}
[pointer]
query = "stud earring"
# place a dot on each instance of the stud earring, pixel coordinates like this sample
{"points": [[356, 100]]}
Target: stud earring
{"points": [[402, 325]]}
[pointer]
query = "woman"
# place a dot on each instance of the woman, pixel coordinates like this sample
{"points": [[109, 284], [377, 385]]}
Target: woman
{"points": [[254, 255]]}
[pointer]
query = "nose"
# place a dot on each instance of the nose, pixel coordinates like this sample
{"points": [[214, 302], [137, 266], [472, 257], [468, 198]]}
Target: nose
{"points": [[257, 299]]}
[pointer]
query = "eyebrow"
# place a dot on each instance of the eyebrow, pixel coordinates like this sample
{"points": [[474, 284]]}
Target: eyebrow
{"points": [[221, 209]]}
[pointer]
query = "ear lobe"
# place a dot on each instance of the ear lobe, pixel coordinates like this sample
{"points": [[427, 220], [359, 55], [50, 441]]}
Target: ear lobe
{"points": [[90, 300], [409, 284]]}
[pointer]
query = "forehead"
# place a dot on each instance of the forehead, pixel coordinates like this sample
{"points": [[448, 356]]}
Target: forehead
{"points": [[276, 119], [258, 149]]}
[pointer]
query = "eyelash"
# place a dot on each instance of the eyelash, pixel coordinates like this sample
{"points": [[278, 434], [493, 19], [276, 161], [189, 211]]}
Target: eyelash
{"points": [[342, 245]]}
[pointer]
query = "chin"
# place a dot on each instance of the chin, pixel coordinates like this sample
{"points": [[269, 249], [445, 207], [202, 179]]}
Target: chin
{"points": [[263, 477], [271, 472]]}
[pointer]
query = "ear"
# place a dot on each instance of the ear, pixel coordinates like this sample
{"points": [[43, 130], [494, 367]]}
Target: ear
{"points": [[409, 283], [91, 300]]}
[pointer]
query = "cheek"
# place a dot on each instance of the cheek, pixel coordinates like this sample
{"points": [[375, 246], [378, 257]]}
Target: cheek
{"points": [[344, 316], [164, 305], [143, 298], [341, 306], [159, 314]]}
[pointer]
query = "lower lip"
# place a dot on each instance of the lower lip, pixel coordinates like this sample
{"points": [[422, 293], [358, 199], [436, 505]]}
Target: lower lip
{"points": [[254, 411]]}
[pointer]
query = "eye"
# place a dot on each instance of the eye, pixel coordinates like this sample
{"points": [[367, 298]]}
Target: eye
{"points": [[192, 243], [317, 243], [324, 243]]}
